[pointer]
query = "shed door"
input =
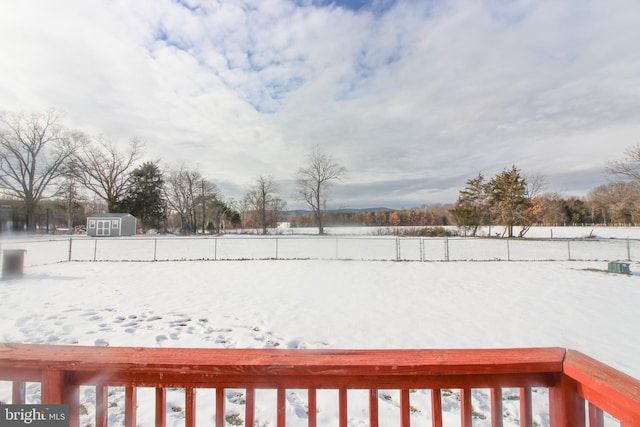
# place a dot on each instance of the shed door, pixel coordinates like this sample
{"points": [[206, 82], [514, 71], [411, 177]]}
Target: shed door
{"points": [[103, 228]]}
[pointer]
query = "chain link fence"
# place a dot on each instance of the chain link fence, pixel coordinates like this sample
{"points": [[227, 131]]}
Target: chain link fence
{"points": [[42, 252]]}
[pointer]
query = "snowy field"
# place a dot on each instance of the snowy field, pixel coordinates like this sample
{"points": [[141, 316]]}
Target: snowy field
{"points": [[325, 304]]}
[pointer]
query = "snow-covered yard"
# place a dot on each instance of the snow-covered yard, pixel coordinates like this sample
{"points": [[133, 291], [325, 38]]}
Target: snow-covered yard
{"points": [[328, 304]]}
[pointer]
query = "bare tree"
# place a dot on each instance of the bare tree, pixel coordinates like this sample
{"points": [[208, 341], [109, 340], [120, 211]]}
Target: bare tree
{"points": [[71, 198], [615, 202], [629, 167], [263, 205], [105, 170], [34, 149], [194, 198], [314, 180]]}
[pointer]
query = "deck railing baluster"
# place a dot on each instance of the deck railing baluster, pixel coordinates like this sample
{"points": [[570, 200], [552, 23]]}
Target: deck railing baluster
{"points": [[436, 407], [161, 407], [496, 407], [465, 407], [405, 408], [18, 392], [526, 410], [312, 407], [190, 407], [373, 407], [220, 395], [130, 406], [342, 407], [596, 416], [250, 407], [281, 405]]}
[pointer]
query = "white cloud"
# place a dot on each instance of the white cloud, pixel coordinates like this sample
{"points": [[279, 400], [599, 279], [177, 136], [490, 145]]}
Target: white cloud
{"points": [[402, 93]]}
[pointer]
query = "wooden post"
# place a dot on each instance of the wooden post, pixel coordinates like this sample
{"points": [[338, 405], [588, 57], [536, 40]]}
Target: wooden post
{"points": [[52, 386], [566, 407]]}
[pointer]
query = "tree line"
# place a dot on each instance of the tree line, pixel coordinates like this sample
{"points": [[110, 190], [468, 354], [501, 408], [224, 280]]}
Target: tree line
{"points": [[45, 167], [41, 161], [511, 200]]}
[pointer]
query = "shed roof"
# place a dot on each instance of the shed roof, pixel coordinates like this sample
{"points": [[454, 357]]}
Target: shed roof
{"points": [[110, 215]]}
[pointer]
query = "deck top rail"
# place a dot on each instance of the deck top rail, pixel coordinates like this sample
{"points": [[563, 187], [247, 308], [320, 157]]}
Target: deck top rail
{"points": [[571, 377]]}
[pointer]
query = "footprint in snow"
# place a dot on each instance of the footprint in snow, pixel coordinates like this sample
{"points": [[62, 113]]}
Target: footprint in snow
{"points": [[300, 406], [268, 340], [236, 397], [101, 343], [226, 341], [161, 338], [297, 344]]}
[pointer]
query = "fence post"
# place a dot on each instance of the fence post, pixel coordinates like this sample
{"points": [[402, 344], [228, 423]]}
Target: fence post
{"points": [[70, 239], [155, 249], [628, 250], [446, 248], [569, 248], [508, 250], [276, 248], [397, 249], [95, 248], [422, 249], [215, 249]]}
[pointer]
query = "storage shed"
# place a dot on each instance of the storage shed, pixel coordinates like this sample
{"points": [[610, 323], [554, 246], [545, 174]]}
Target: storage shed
{"points": [[111, 225]]}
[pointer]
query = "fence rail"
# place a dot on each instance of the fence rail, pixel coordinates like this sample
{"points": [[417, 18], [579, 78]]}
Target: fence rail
{"points": [[41, 252], [571, 377]]}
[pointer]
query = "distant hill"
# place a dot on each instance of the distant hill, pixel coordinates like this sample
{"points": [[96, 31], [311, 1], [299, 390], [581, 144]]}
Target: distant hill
{"points": [[347, 210]]}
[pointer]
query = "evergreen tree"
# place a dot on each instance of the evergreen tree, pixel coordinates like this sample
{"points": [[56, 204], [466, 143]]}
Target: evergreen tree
{"points": [[470, 210], [144, 197], [509, 200]]}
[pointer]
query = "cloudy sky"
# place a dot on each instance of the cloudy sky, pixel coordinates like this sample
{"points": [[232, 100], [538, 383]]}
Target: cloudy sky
{"points": [[413, 97]]}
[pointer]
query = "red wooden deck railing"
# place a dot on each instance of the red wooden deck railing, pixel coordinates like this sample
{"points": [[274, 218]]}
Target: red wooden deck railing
{"points": [[581, 389]]}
